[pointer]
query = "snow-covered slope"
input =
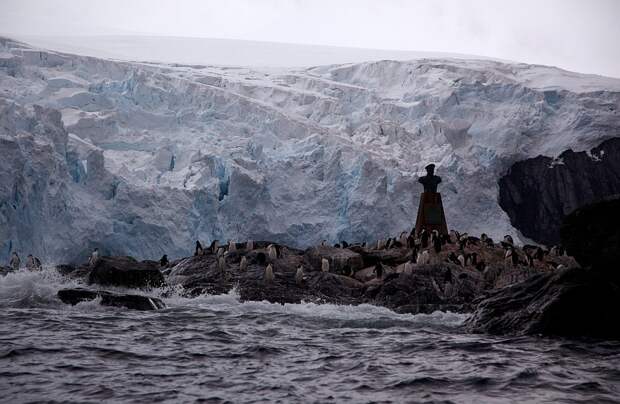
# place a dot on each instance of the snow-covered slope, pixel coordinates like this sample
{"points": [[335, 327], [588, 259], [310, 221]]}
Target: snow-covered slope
{"points": [[216, 51], [152, 157]]}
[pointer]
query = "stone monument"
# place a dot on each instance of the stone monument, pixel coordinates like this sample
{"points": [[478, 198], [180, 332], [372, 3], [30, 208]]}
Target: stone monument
{"points": [[430, 213]]}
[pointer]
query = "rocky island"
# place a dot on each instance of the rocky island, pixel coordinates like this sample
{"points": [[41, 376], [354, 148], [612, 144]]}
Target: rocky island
{"points": [[534, 291]]}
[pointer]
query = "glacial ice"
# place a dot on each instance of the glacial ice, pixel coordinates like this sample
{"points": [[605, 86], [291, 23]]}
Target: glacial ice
{"points": [[143, 158]]}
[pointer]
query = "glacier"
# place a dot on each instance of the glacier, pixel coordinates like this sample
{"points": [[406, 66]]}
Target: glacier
{"points": [[143, 159]]}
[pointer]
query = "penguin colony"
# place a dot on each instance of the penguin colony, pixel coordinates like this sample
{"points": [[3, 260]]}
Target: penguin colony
{"points": [[426, 248]]}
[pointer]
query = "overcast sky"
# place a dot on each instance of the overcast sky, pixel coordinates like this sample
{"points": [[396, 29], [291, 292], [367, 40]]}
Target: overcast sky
{"points": [[579, 35]]}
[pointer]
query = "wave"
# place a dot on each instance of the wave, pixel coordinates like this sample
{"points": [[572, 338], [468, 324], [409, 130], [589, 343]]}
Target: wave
{"points": [[359, 316], [25, 289]]}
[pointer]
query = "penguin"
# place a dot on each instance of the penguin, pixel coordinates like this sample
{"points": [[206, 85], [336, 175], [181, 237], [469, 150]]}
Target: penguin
{"points": [[414, 254], [344, 244], [388, 244], [214, 246], [410, 241], [461, 259], [408, 268], [380, 244], [462, 244], [221, 263], [512, 257], [299, 275], [508, 239], [515, 258], [163, 262], [243, 265], [508, 256], [364, 244], [249, 245], [94, 257], [336, 245], [37, 264], [324, 265], [424, 257], [403, 238], [323, 243], [453, 258], [272, 252], [539, 254], [471, 259], [30, 264], [454, 236], [268, 276], [232, 246], [529, 260], [484, 237], [15, 261], [424, 238], [555, 251], [378, 270], [220, 252], [198, 250], [436, 242]]}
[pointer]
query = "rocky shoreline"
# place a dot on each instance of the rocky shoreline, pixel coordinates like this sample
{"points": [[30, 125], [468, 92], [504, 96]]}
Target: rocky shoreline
{"points": [[552, 294]]}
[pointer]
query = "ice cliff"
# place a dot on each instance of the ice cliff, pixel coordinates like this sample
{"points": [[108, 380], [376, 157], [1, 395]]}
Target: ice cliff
{"points": [[143, 159]]}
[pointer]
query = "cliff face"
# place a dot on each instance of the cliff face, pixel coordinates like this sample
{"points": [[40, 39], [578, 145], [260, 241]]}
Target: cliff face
{"points": [[538, 193]]}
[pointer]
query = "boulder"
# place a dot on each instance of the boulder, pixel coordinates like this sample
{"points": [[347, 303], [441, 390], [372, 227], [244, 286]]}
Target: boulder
{"points": [[134, 302], [572, 302], [126, 272], [332, 285], [392, 256], [75, 272], [429, 288], [339, 258], [199, 274]]}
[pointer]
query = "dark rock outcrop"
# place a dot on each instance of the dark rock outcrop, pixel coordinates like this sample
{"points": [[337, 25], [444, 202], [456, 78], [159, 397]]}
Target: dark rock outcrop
{"points": [[429, 288], [126, 272], [5, 270], [134, 302], [538, 193], [568, 302], [592, 235], [571, 302]]}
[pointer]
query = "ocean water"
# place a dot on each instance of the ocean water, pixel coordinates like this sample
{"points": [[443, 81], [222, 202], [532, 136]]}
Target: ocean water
{"points": [[217, 349]]}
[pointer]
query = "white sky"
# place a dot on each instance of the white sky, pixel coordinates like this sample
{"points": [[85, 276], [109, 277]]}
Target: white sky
{"points": [[579, 35]]}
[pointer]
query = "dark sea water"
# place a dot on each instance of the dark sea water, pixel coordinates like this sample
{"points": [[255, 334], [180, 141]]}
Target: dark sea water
{"points": [[216, 349]]}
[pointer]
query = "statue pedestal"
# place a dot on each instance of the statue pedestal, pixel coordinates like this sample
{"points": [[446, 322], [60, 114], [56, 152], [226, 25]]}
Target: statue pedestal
{"points": [[430, 214]]}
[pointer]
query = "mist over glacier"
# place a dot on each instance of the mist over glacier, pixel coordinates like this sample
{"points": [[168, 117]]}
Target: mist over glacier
{"points": [[143, 158]]}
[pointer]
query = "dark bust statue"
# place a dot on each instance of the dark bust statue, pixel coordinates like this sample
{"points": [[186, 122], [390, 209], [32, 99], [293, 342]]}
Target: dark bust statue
{"points": [[430, 180]]}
